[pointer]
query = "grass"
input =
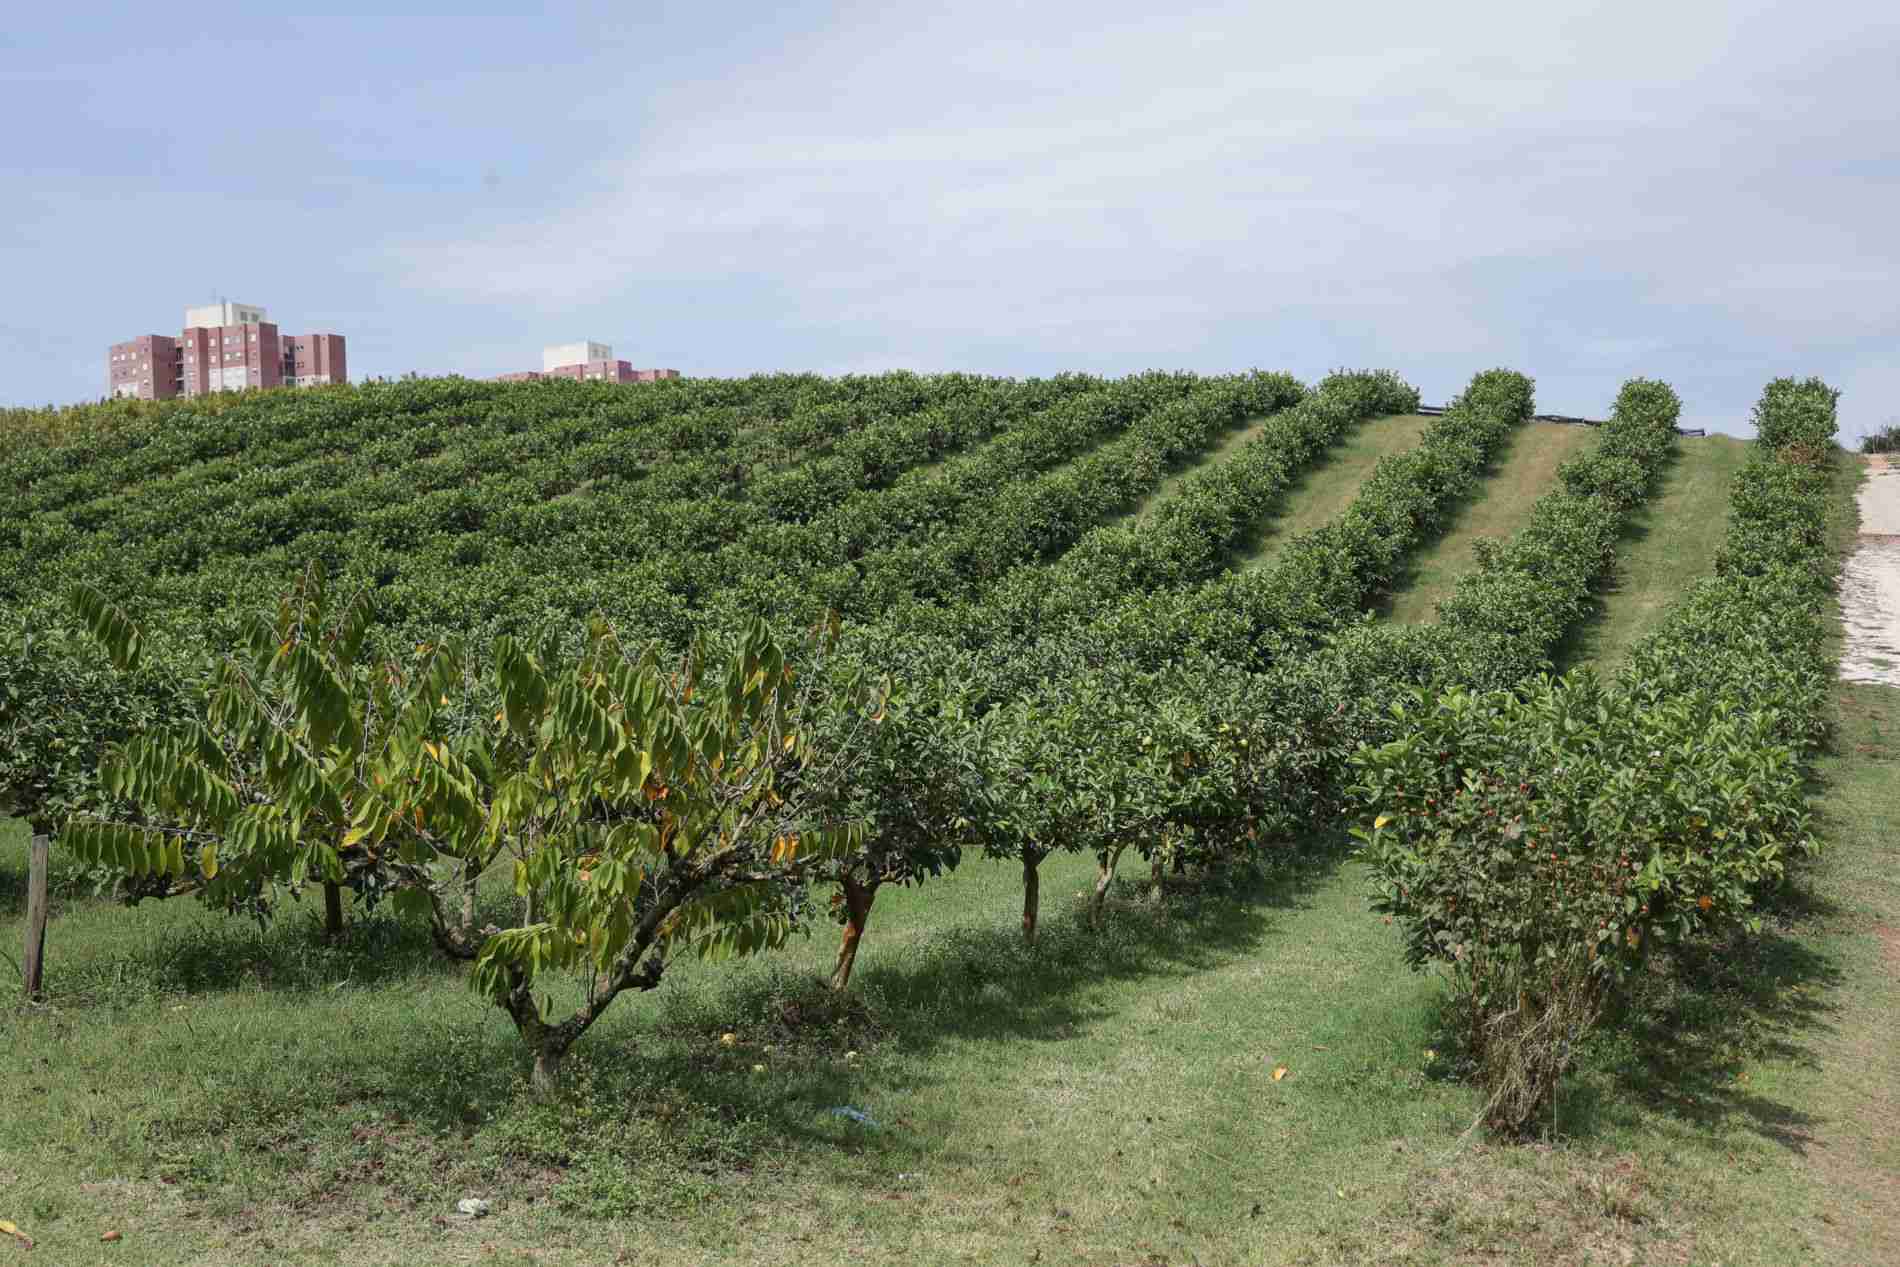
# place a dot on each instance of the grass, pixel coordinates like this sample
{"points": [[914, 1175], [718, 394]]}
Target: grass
{"points": [[1667, 544], [234, 1094], [1521, 472], [221, 1094], [1323, 492]]}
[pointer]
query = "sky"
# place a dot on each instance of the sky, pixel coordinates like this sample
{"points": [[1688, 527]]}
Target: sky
{"points": [[1706, 193]]}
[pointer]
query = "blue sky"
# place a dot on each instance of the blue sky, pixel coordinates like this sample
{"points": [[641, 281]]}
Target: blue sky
{"points": [[1705, 193]]}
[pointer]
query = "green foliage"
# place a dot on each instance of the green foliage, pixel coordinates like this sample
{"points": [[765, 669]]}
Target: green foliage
{"points": [[1795, 414], [1065, 684], [259, 793], [554, 500], [647, 809], [62, 703], [1541, 839], [1521, 824]]}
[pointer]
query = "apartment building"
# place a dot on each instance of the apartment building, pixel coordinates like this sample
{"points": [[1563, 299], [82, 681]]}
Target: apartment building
{"points": [[585, 360], [224, 347]]}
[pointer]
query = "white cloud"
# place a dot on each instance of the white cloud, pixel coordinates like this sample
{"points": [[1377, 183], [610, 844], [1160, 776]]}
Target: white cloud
{"points": [[1606, 190]]}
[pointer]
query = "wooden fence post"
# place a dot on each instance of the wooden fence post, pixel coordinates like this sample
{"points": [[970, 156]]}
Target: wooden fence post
{"points": [[40, 858]]}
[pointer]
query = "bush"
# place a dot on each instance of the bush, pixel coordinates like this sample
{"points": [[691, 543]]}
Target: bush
{"points": [[1799, 414], [1540, 842]]}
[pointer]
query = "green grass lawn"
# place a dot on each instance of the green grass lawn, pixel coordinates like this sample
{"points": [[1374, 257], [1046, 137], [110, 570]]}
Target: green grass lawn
{"points": [[1521, 473], [1323, 493], [220, 1094], [226, 1095], [1667, 544]]}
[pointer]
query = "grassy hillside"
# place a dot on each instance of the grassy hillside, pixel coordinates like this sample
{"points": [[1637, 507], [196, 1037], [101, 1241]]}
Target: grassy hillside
{"points": [[1108, 1098], [1526, 469], [1233, 1069]]}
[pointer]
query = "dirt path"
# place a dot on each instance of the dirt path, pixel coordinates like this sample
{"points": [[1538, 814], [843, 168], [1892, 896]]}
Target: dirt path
{"points": [[1870, 584]]}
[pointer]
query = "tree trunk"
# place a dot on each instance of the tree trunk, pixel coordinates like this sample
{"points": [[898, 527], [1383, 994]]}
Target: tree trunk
{"points": [[547, 1068], [857, 906], [548, 1042], [1156, 871], [1103, 879], [1032, 895], [39, 861], [332, 909]]}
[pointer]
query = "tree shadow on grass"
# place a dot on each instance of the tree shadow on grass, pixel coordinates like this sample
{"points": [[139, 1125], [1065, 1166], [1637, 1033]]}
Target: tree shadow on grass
{"points": [[970, 982], [650, 1110], [455, 1072], [1682, 1041], [981, 981], [199, 952]]}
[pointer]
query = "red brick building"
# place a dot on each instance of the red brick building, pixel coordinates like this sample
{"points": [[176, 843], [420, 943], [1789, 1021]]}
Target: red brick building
{"points": [[224, 347]]}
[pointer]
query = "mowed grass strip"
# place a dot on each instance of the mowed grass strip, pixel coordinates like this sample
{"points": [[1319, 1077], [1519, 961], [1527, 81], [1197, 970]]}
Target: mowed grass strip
{"points": [[1668, 543], [1524, 470], [1321, 494]]}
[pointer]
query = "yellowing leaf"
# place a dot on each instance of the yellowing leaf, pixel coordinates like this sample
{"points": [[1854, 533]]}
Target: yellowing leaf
{"points": [[8, 1229], [208, 861], [1279, 1072], [1381, 821]]}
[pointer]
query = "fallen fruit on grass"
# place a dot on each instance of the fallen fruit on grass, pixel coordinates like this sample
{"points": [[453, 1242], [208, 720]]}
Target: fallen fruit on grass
{"points": [[1279, 1072], [112, 1236], [9, 1229]]}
